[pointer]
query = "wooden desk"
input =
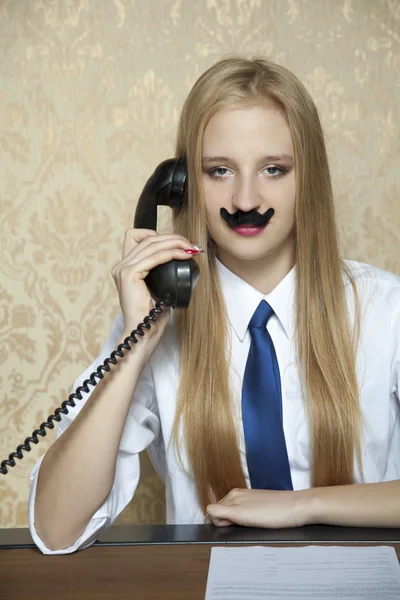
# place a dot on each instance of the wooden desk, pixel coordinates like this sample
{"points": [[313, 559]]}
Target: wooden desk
{"points": [[149, 562]]}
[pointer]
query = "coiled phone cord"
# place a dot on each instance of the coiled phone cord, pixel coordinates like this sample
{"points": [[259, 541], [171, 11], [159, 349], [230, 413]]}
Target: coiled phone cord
{"points": [[152, 316]]}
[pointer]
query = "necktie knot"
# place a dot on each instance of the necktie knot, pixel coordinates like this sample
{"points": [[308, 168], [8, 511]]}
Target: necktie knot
{"points": [[261, 316]]}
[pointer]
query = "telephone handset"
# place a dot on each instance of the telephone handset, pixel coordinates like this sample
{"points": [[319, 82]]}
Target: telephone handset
{"points": [[170, 284], [167, 186]]}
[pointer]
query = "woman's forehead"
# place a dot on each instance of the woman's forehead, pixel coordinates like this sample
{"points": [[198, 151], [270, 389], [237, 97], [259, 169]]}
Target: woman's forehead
{"points": [[261, 128]]}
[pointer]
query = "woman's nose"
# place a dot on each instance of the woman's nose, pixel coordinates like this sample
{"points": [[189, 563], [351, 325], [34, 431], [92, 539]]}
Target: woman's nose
{"points": [[246, 195]]}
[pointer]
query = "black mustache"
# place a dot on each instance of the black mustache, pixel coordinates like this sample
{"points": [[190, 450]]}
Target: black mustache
{"points": [[250, 218]]}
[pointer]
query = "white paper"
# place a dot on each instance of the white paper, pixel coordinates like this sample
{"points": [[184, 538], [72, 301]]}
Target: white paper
{"points": [[312, 572]]}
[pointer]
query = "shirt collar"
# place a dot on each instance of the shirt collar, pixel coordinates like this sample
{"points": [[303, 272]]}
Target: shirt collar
{"points": [[241, 300]]}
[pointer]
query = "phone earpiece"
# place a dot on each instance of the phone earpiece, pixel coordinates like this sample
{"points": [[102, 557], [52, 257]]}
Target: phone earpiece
{"points": [[178, 193], [167, 186]]}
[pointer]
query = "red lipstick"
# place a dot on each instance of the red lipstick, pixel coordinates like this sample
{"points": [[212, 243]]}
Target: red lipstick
{"points": [[248, 230]]}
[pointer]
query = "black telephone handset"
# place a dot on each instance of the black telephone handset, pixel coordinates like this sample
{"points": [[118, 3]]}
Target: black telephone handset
{"points": [[167, 186], [170, 284]]}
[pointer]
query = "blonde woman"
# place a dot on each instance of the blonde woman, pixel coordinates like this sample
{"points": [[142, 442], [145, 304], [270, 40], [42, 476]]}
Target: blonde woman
{"points": [[254, 146]]}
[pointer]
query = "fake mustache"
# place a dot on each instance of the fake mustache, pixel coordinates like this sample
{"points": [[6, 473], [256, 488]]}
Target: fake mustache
{"points": [[251, 218]]}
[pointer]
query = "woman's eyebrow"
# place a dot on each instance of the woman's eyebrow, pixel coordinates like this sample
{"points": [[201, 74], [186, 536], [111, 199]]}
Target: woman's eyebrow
{"points": [[269, 158]]}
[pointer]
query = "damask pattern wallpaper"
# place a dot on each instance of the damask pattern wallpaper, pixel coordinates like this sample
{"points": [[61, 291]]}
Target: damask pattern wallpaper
{"points": [[90, 93]]}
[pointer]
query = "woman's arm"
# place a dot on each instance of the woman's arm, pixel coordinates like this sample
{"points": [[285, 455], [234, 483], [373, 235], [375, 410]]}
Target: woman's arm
{"points": [[78, 470], [355, 505]]}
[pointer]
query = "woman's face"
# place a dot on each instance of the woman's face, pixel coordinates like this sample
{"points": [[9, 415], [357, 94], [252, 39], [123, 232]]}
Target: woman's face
{"points": [[248, 165]]}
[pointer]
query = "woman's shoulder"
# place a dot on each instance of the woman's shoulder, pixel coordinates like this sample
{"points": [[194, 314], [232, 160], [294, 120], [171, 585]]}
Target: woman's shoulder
{"points": [[376, 287], [370, 275]]}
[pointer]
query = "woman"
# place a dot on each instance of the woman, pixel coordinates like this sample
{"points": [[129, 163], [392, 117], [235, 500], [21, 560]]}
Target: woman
{"points": [[255, 148]]}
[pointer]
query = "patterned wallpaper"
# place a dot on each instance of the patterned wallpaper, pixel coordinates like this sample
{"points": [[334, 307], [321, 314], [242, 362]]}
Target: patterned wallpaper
{"points": [[90, 93]]}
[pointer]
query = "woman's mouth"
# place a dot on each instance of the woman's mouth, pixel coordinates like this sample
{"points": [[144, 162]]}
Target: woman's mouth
{"points": [[248, 230]]}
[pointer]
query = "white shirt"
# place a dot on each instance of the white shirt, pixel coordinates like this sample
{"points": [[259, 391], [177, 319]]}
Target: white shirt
{"points": [[151, 414]]}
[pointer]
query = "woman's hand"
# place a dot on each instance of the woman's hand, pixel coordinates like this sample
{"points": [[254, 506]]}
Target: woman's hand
{"points": [[273, 509], [143, 250]]}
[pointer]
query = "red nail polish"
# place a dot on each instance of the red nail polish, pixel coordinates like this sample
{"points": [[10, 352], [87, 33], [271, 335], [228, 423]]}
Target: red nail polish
{"points": [[192, 251]]}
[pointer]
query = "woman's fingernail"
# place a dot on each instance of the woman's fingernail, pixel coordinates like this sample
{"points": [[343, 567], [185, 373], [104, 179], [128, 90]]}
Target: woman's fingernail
{"points": [[192, 251], [197, 247]]}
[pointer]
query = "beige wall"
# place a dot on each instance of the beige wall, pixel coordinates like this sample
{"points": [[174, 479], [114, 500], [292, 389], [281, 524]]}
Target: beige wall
{"points": [[90, 92]]}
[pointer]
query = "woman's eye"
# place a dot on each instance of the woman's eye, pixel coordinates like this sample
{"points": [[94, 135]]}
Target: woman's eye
{"points": [[218, 172], [276, 171]]}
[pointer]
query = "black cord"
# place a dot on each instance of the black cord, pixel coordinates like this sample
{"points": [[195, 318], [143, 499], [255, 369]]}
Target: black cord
{"points": [[152, 316]]}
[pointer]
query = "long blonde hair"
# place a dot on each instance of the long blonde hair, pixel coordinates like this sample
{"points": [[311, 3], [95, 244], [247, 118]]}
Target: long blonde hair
{"points": [[326, 348]]}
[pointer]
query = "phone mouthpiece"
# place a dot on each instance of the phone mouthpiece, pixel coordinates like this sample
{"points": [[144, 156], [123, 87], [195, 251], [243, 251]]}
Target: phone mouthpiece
{"points": [[175, 280]]}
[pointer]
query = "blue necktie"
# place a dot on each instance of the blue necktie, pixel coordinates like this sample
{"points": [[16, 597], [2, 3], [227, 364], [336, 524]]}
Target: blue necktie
{"points": [[267, 458]]}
